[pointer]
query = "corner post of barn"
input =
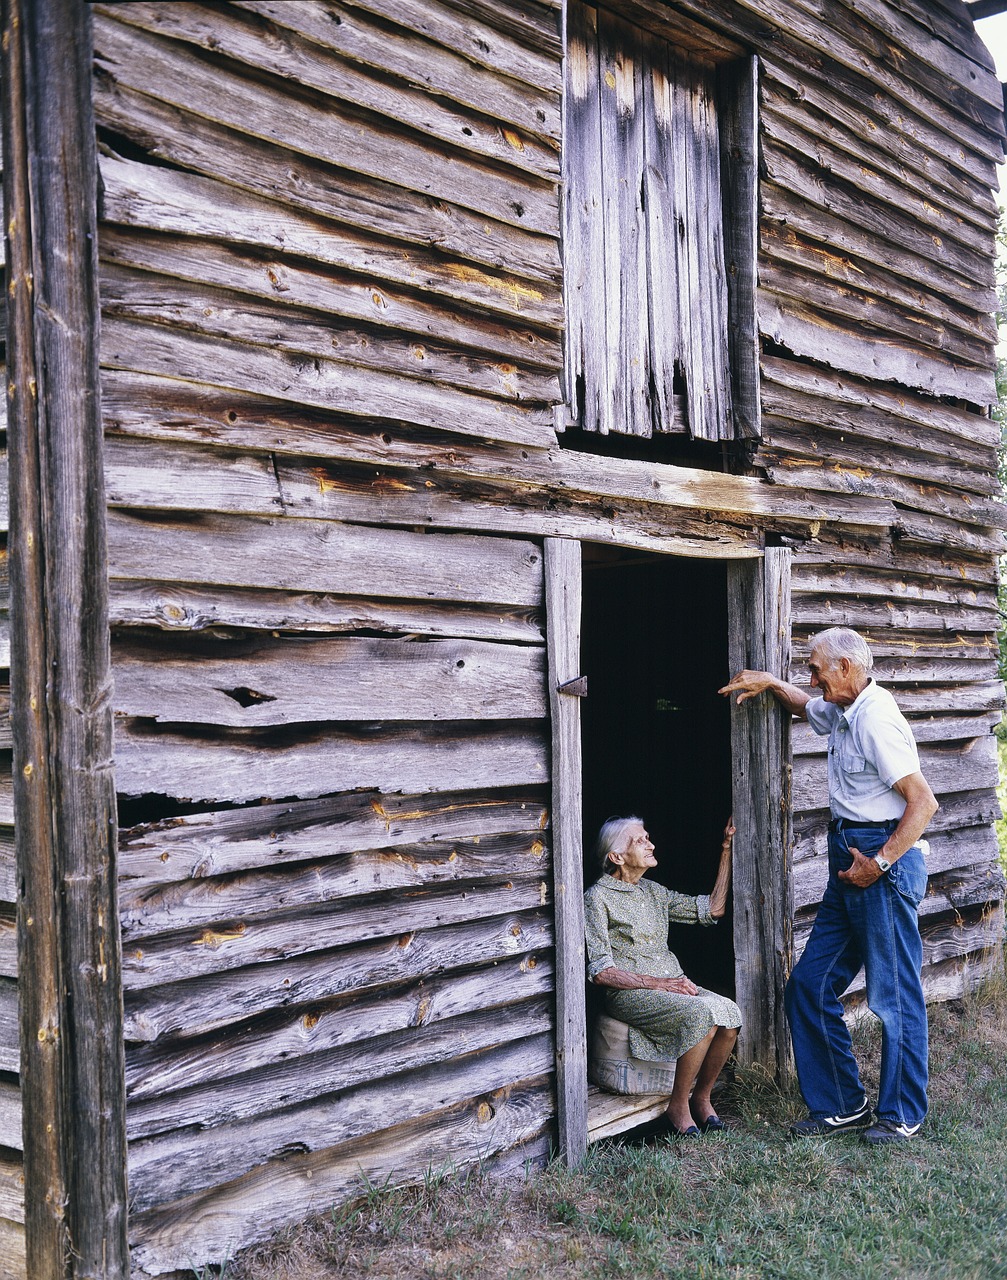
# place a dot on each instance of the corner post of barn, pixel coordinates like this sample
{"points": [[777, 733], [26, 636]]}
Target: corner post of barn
{"points": [[72, 1077]]}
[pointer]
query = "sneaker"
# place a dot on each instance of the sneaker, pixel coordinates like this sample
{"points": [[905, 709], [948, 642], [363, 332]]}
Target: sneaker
{"points": [[825, 1125], [886, 1131]]}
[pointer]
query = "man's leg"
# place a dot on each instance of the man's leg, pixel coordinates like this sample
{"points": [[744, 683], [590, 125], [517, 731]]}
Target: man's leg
{"points": [[886, 920], [823, 1051]]}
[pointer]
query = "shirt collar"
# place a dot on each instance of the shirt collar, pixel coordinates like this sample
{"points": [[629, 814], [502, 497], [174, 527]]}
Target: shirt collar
{"points": [[621, 886], [865, 696]]}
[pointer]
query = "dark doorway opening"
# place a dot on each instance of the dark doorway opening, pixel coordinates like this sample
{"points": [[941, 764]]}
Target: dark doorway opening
{"points": [[656, 734]]}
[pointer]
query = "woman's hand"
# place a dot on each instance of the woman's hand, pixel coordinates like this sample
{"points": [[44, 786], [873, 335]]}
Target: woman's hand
{"points": [[730, 831], [680, 986]]}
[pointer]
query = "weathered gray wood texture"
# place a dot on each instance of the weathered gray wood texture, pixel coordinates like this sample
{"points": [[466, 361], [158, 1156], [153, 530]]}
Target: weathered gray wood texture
{"points": [[332, 292], [72, 1088]]}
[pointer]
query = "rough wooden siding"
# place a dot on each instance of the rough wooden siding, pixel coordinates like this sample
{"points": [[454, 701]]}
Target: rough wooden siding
{"points": [[12, 1244], [875, 295], [329, 234], [332, 319]]}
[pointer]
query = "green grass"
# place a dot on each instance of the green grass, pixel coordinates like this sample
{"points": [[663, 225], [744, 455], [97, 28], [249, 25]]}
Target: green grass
{"points": [[748, 1205], [1001, 826]]}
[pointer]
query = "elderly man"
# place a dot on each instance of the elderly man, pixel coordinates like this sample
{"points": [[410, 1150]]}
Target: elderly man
{"points": [[881, 804]]}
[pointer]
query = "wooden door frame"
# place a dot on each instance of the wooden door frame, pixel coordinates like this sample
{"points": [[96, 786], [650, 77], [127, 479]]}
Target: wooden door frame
{"points": [[758, 636]]}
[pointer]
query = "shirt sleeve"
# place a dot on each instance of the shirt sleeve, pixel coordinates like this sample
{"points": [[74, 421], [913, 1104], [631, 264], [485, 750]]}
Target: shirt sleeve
{"points": [[683, 908], [821, 715], [599, 949], [888, 743]]}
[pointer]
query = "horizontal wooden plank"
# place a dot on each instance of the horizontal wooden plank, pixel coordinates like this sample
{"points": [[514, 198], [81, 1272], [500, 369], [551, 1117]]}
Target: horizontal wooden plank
{"points": [[801, 132], [146, 911], [225, 1098], [832, 475], [936, 562], [168, 1167], [419, 60], [225, 315], [11, 1197], [482, 45], [319, 555], [10, 1114], [295, 181], [279, 50], [334, 385], [958, 810], [215, 1000], [935, 728], [879, 297], [13, 1257], [842, 114], [212, 1226], [611, 1113], [924, 528], [830, 339], [960, 630], [279, 282], [320, 128], [972, 847], [197, 208], [319, 1049], [816, 576], [969, 765], [160, 409], [237, 766], [8, 874], [300, 680], [10, 1033], [263, 938], [8, 946], [847, 224], [180, 607], [226, 841]]}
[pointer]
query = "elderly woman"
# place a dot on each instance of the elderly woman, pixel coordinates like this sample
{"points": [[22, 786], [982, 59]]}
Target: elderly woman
{"points": [[669, 1017]]}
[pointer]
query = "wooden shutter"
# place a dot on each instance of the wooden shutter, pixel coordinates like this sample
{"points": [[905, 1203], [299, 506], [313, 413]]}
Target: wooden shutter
{"points": [[647, 289]]}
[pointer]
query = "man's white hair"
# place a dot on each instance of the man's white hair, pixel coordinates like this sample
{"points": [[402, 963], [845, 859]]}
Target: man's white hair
{"points": [[614, 837], [843, 642]]}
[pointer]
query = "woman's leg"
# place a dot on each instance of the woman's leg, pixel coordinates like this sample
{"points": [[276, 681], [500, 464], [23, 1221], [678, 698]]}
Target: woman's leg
{"points": [[719, 1051], [686, 1070]]}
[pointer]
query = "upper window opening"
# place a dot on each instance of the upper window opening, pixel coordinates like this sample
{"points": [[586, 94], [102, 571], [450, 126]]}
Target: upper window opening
{"points": [[659, 243]]}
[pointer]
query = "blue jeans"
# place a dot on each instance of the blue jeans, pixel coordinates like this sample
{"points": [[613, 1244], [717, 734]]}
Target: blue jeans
{"points": [[878, 928]]}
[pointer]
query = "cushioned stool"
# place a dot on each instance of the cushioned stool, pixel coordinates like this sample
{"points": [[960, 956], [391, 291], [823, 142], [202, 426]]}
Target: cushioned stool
{"points": [[610, 1066]]}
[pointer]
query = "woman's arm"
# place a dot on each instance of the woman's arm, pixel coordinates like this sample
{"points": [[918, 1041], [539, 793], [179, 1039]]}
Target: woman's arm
{"points": [[623, 980], [718, 897]]}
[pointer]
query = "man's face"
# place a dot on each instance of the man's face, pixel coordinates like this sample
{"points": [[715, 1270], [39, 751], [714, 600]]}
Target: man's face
{"points": [[638, 852], [833, 680]]}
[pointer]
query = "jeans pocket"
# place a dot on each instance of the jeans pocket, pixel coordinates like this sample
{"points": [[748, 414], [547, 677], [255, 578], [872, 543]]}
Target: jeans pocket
{"points": [[909, 875]]}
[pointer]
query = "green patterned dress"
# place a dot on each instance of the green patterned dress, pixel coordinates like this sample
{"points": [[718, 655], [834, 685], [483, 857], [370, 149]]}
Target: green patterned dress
{"points": [[627, 928]]}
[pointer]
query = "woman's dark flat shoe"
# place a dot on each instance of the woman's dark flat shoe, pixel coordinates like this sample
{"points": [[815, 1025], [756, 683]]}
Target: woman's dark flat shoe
{"points": [[672, 1129], [712, 1124]]}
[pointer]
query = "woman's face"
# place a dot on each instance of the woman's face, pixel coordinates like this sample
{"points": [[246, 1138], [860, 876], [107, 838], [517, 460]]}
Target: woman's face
{"points": [[638, 853]]}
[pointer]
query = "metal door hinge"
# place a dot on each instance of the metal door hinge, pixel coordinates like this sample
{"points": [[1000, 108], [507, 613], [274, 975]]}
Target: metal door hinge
{"points": [[577, 688]]}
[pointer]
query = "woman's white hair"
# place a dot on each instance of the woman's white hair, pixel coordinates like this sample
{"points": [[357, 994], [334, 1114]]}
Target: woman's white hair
{"points": [[614, 837], [843, 642]]}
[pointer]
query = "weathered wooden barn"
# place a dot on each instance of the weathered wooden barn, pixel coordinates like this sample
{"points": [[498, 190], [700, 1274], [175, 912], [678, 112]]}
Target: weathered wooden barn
{"points": [[378, 372]]}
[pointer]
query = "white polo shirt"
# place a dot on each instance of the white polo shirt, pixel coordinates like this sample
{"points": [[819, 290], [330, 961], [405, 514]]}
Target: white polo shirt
{"points": [[871, 746]]}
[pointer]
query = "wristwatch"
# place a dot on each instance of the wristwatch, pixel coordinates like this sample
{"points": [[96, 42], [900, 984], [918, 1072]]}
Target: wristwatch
{"points": [[883, 863]]}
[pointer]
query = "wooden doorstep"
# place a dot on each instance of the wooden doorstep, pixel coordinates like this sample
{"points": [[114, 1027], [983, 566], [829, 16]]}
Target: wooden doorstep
{"points": [[612, 1113]]}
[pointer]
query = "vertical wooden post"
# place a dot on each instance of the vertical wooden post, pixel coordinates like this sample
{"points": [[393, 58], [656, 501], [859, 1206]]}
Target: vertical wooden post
{"points": [[738, 85], [72, 1076], [563, 606], [759, 622]]}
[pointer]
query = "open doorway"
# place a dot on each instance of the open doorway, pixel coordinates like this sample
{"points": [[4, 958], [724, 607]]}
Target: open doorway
{"points": [[656, 734]]}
